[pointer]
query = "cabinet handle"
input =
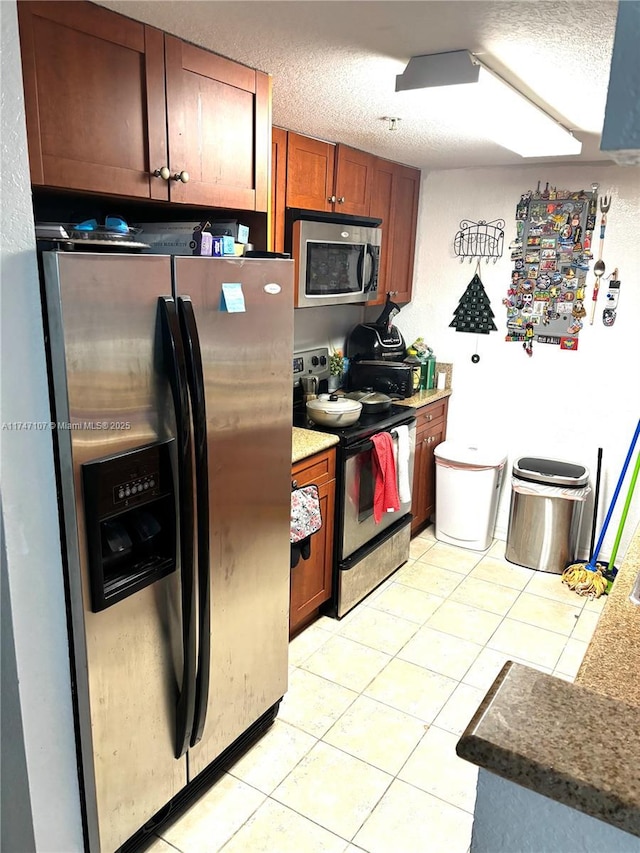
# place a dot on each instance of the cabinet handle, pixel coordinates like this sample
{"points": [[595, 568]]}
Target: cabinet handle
{"points": [[332, 199], [181, 176], [163, 173], [341, 200], [294, 484]]}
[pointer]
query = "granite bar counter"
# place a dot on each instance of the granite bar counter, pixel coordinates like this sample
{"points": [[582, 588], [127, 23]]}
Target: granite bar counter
{"points": [[611, 664], [575, 743]]}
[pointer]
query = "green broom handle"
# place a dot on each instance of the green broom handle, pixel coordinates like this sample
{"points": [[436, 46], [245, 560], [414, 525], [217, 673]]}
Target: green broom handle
{"points": [[627, 503]]}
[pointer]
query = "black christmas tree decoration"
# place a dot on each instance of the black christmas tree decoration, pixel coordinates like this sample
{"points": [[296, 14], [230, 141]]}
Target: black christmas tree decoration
{"points": [[474, 313]]}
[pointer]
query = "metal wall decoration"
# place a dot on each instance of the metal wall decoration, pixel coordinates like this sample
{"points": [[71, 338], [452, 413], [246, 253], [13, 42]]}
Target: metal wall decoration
{"points": [[477, 240], [550, 255]]}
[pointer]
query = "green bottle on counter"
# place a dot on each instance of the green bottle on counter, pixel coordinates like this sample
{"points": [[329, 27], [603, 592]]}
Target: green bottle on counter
{"points": [[427, 372]]}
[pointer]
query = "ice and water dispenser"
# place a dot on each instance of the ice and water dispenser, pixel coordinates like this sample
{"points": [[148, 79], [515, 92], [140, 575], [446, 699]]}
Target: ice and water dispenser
{"points": [[131, 521]]}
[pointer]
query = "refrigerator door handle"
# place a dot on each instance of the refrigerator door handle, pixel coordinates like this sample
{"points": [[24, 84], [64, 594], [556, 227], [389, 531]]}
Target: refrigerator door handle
{"points": [[197, 391], [177, 371]]}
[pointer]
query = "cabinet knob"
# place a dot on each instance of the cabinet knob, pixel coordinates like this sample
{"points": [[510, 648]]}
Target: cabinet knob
{"points": [[429, 418], [294, 484], [340, 200], [332, 199], [181, 176], [163, 173]]}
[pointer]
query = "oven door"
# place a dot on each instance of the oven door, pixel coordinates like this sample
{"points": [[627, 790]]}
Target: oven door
{"points": [[336, 263], [358, 524]]}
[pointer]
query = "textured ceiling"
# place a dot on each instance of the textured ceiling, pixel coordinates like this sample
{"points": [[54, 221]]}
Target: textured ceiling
{"points": [[334, 65]]}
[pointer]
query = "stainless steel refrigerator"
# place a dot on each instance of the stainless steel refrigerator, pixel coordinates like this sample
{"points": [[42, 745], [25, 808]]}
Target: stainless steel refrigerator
{"points": [[171, 384]]}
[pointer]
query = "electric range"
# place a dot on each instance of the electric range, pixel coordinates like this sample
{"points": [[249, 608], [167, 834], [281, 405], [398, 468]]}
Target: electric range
{"points": [[365, 552]]}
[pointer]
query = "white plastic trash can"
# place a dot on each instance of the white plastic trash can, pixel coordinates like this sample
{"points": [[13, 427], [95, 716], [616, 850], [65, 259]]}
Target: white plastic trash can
{"points": [[468, 480]]}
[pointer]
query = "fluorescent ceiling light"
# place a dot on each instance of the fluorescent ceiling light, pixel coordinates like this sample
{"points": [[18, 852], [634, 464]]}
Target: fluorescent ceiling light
{"points": [[475, 94]]}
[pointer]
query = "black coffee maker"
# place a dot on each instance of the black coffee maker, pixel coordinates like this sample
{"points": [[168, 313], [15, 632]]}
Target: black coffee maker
{"points": [[380, 340]]}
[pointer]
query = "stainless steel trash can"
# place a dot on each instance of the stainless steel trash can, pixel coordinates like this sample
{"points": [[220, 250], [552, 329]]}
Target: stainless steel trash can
{"points": [[547, 499]]}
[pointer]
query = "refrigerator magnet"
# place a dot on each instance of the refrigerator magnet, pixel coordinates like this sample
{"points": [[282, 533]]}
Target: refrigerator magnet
{"points": [[232, 298]]}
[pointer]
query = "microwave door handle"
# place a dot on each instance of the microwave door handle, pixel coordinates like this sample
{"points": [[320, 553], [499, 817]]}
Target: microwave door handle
{"points": [[360, 269], [374, 266], [174, 359], [195, 377]]}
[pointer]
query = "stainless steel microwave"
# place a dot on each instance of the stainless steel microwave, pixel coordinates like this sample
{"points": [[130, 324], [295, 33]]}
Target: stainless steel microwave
{"points": [[336, 259]]}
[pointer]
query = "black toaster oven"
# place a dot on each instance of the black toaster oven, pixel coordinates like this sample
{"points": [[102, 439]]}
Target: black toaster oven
{"points": [[389, 377]]}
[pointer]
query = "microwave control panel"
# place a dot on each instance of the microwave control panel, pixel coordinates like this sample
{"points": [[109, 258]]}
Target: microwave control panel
{"points": [[313, 362]]}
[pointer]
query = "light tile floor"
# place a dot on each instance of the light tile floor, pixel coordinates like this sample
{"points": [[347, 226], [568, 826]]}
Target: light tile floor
{"points": [[362, 754]]}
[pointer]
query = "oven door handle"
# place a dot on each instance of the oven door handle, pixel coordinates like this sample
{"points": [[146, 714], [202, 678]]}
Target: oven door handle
{"points": [[363, 446]]}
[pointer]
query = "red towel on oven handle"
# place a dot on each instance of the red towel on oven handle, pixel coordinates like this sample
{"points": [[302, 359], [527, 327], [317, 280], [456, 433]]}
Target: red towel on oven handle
{"points": [[385, 493]]}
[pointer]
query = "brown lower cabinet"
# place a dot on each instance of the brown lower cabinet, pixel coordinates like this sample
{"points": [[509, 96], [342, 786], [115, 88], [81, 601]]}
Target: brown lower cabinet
{"points": [[431, 430], [311, 579]]}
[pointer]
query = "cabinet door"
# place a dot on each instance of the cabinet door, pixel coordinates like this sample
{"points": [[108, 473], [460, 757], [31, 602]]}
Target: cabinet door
{"points": [[219, 129], [311, 579], [419, 486], [381, 197], [94, 99], [436, 435], [431, 430], [353, 181], [406, 192], [278, 188], [310, 165]]}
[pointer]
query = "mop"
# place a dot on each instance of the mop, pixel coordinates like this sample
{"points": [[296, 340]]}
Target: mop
{"points": [[587, 578]]}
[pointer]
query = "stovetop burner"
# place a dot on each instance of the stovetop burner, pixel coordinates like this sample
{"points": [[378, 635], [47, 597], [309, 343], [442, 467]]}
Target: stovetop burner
{"points": [[366, 426]]}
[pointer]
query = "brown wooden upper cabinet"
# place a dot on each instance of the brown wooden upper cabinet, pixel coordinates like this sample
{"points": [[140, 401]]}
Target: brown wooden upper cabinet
{"points": [[326, 177], [99, 120], [317, 172], [394, 199], [278, 189]]}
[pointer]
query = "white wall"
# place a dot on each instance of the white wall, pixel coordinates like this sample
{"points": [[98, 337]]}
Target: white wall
{"points": [[558, 404], [511, 818], [325, 327], [39, 681]]}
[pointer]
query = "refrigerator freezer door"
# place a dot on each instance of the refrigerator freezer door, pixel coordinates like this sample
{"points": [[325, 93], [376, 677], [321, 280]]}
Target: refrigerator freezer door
{"points": [[108, 383], [247, 358]]}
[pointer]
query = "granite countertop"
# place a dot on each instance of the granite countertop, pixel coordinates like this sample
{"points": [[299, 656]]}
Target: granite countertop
{"points": [[423, 398], [307, 442], [576, 743]]}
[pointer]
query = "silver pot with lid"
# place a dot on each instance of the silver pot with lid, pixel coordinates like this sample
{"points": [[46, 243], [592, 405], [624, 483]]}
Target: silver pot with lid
{"points": [[333, 411], [371, 401]]}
